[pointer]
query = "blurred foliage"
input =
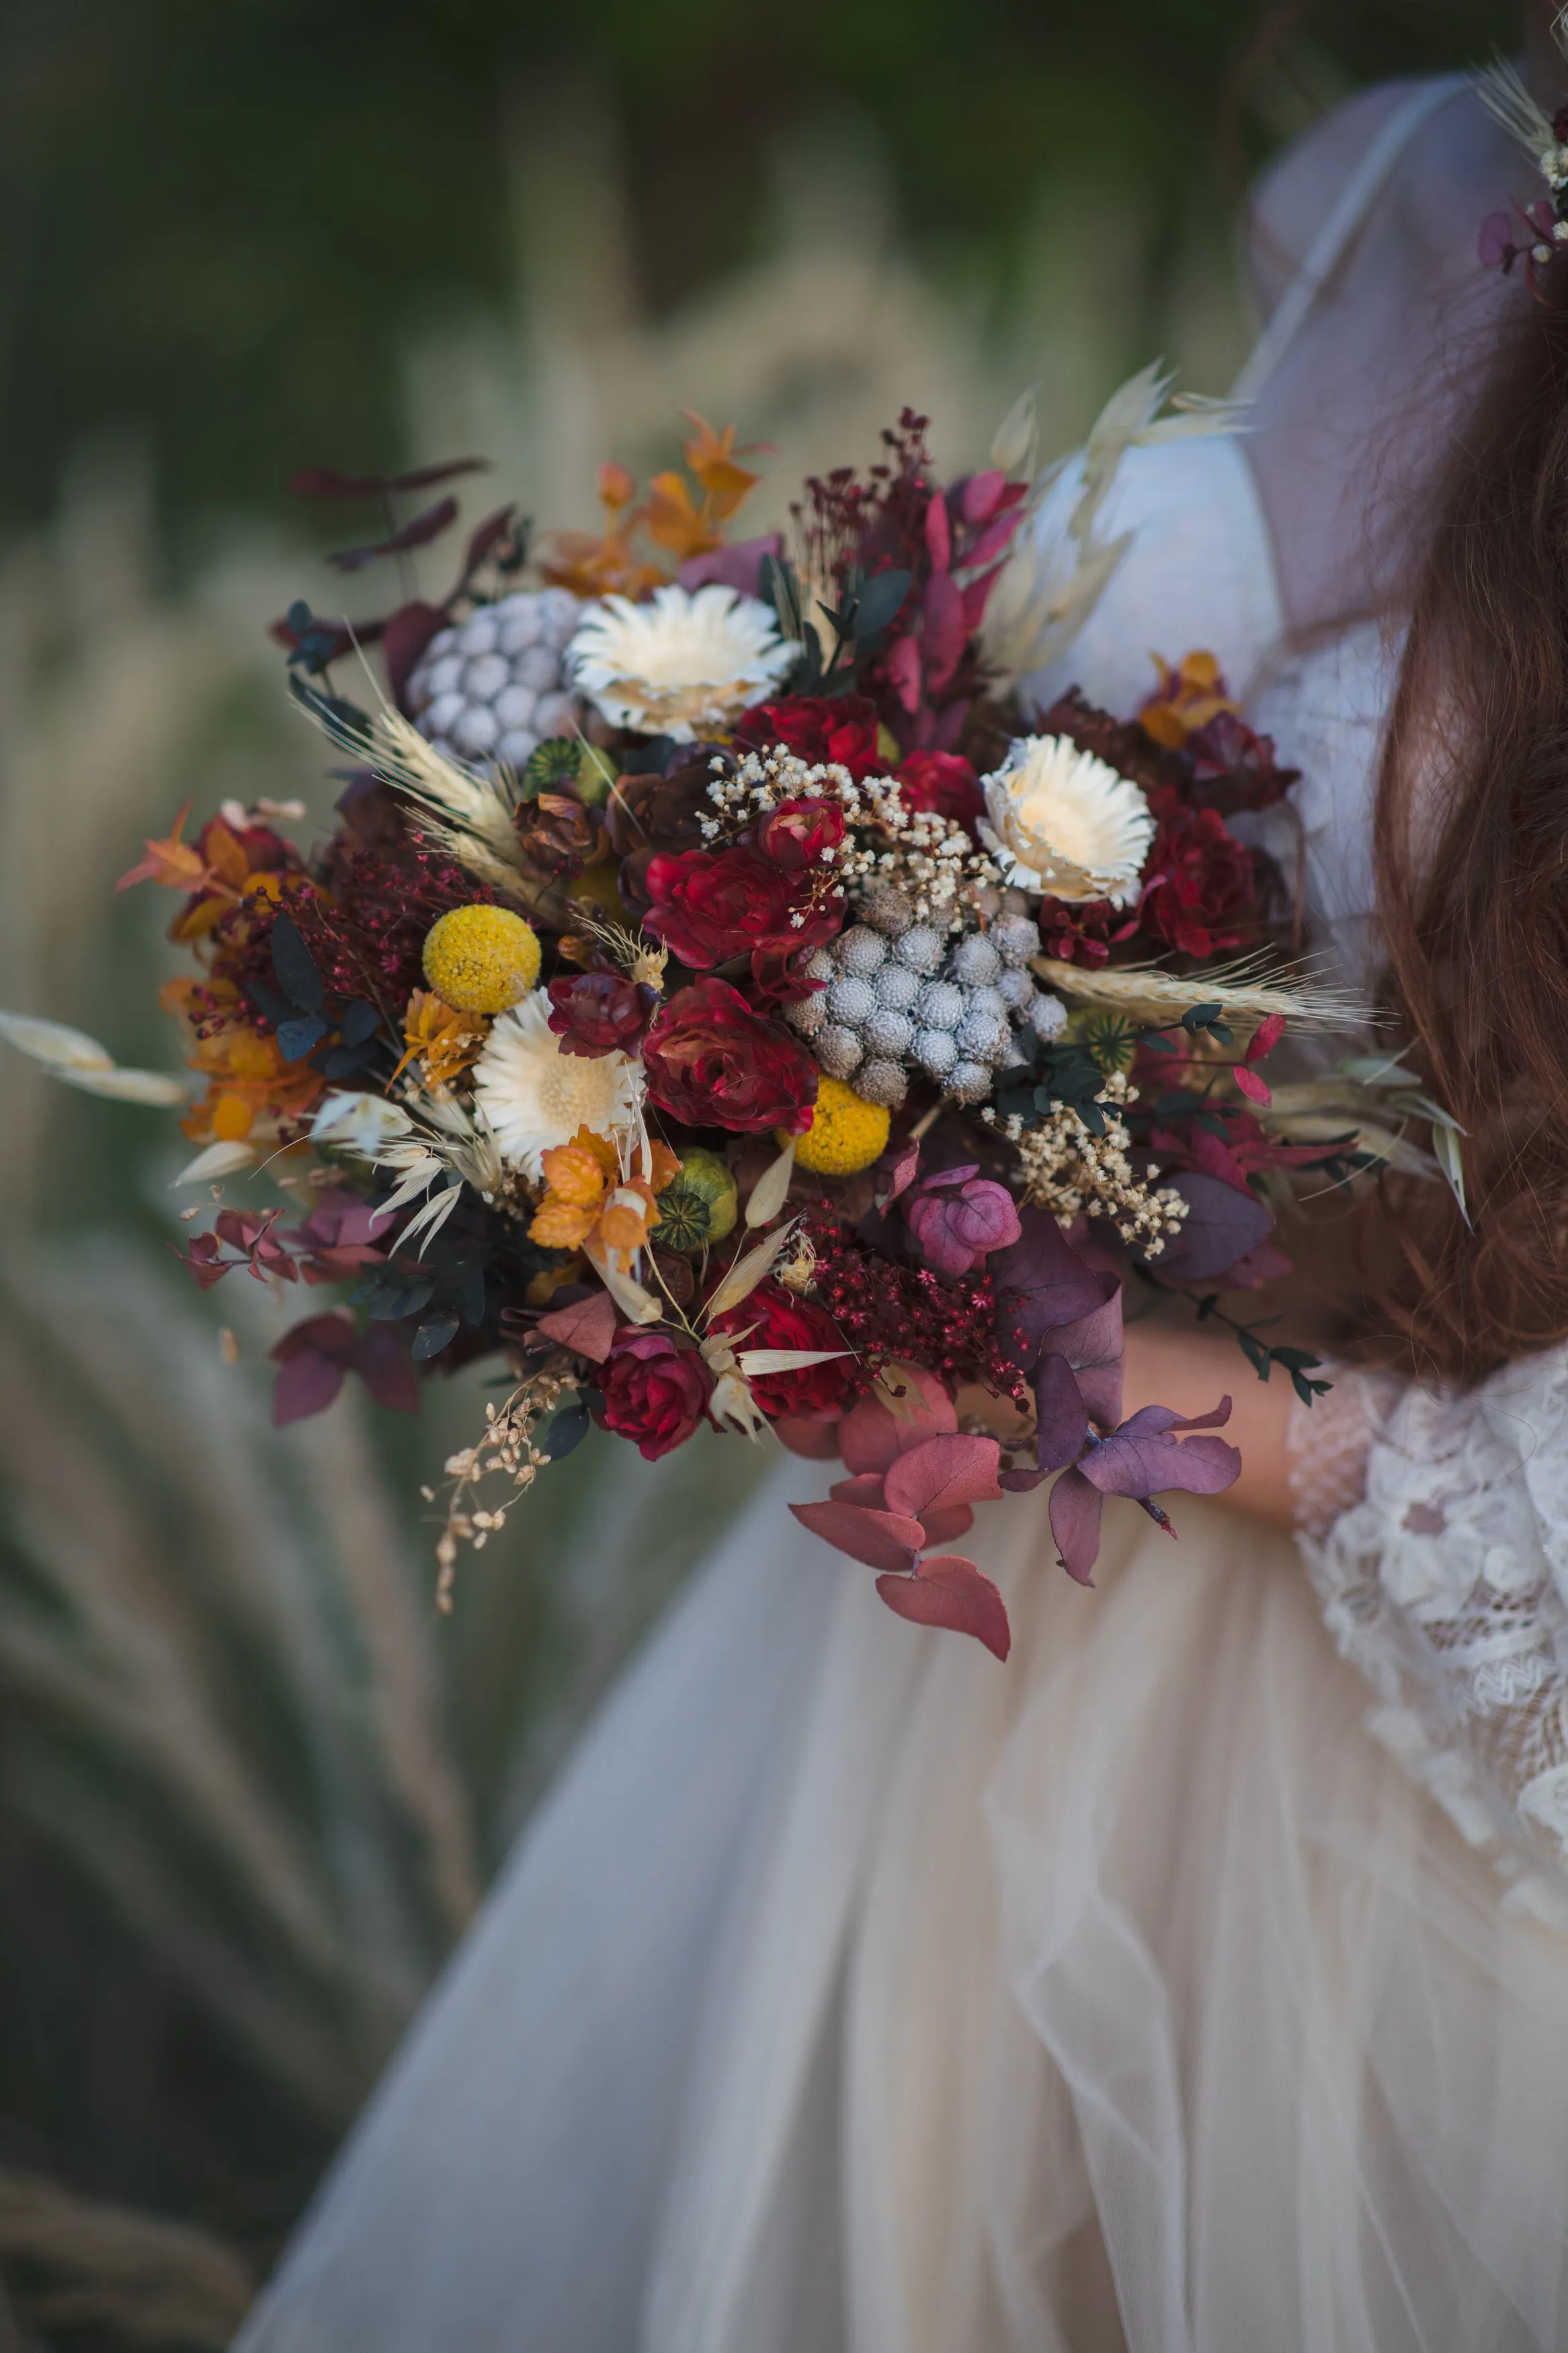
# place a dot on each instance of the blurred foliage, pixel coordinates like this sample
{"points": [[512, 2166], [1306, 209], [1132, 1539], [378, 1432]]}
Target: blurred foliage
{"points": [[221, 220]]}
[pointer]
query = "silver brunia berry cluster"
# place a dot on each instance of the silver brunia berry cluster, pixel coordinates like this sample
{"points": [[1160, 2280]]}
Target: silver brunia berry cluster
{"points": [[899, 1002], [493, 688]]}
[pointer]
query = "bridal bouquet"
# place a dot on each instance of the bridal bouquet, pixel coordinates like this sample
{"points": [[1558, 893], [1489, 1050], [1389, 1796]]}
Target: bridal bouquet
{"points": [[724, 1000]]}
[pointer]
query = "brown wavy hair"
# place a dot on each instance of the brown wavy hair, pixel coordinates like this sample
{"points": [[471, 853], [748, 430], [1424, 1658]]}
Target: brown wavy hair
{"points": [[1471, 842]]}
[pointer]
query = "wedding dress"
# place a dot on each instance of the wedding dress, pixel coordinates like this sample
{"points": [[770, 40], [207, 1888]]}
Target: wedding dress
{"points": [[850, 1993]]}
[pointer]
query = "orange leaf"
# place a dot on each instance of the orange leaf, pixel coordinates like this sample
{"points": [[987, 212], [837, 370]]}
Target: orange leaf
{"points": [[574, 1174], [674, 522], [666, 1167], [559, 1226], [616, 488], [226, 859], [178, 864]]}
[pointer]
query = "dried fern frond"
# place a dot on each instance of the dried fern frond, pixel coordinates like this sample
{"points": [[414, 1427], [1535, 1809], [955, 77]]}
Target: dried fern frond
{"points": [[1250, 990]]}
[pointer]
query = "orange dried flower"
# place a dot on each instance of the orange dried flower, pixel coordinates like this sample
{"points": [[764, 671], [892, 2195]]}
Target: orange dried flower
{"points": [[676, 521], [588, 1204], [441, 1039], [1186, 698]]}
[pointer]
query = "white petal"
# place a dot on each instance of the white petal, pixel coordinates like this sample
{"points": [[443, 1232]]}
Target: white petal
{"points": [[769, 1194]]}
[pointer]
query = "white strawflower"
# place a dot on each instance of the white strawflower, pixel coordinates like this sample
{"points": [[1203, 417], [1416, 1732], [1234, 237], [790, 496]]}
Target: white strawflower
{"points": [[1065, 823], [688, 658], [536, 1097]]}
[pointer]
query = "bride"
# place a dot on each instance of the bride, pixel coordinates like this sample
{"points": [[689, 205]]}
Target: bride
{"points": [[1198, 1983]]}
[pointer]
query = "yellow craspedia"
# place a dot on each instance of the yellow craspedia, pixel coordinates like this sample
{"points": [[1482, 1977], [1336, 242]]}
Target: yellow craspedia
{"points": [[846, 1133], [481, 959]]}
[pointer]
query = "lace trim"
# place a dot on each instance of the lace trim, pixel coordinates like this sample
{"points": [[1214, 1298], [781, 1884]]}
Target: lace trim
{"points": [[1435, 1531]]}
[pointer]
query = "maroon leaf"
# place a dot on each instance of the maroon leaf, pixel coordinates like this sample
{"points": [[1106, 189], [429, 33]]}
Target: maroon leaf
{"points": [[486, 535], [588, 1327], [738, 567], [815, 1441], [428, 524], [1266, 1037], [327, 482], [382, 1365], [944, 635], [881, 1539], [865, 1488], [1248, 1083], [1075, 1510], [949, 1591], [312, 1359], [405, 636], [941, 1473]]}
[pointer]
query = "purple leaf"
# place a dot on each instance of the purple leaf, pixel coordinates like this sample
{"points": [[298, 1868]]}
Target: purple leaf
{"points": [[881, 1539], [1061, 1425], [958, 1219], [382, 1365], [404, 637], [1095, 1347], [1075, 1511], [943, 1473], [1041, 1284], [949, 1591], [1221, 1225], [1145, 1457], [307, 1383], [897, 1170]]}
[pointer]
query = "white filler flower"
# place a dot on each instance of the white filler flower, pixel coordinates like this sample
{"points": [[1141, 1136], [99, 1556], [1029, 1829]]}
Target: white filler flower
{"points": [[688, 658], [1065, 823], [536, 1097]]}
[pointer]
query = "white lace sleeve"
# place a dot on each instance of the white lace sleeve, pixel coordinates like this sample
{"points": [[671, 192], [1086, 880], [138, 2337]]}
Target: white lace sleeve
{"points": [[1435, 1530]]}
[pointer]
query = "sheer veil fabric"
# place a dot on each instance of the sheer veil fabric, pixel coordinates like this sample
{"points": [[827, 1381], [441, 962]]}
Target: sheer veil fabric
{"points": [[850, 1993]]}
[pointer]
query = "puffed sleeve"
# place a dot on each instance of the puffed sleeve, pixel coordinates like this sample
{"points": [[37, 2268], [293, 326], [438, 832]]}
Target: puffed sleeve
{"points": [[1435, 1526]]}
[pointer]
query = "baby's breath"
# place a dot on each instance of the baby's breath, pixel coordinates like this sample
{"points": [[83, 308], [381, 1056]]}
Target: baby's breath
{"points": [[1073, 1173]]}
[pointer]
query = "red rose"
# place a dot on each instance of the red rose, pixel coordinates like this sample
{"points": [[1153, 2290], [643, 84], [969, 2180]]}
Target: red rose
{"points": [[594, 1013], [841, 728], [708, 905], [794, 835], [655, 1391], [943, 783], [713, 1062], [771, 1317], [1199, 883]]}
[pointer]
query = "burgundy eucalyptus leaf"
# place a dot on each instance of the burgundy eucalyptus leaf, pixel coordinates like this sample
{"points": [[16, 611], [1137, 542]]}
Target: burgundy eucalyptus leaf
{"points": [[886, 1540], [484, 538], [330, 482], [943, 634], [865, 1488], [587, 1327], [949, 1591], [738, 567], [1075, 1509], [945, 1525], [943, 1473], [403, 638], [1146, 1456], [870, 1438], [418, 531], [897, 1170], [956, 1219]]}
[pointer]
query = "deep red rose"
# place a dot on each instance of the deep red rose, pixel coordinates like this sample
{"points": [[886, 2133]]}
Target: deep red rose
{"points": [[594, 1013], [654, 1391], [794, 835], [943, 783], [708, 905], [713, 1062], [841, 728], [1199, 885], [771, 1317]]}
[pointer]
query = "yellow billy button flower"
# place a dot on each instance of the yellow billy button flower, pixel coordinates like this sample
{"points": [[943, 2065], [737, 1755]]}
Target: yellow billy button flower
{"points": [[847, 1132], [481, 959]]}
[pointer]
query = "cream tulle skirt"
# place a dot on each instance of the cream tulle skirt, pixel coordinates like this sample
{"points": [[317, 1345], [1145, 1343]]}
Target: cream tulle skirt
{"points": [[854, 1994]]}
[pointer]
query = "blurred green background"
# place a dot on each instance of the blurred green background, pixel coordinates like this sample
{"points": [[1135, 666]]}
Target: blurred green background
{"points": [[251, 1787]]}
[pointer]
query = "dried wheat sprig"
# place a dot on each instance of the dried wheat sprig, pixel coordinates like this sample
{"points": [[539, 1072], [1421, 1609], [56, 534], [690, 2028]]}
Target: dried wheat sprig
{"points": [[1250, 990]]}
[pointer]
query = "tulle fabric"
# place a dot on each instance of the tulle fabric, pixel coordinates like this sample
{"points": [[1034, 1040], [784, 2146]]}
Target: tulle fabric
{"points": [[852, 1993]]}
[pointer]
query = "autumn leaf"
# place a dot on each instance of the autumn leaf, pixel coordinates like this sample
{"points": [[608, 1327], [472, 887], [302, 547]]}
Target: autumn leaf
{"points": [[178, 864]]}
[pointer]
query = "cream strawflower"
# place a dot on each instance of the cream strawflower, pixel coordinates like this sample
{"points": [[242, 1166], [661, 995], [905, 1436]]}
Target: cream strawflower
{"points": [[1065, 823], [688, 658], [535, 1097]]}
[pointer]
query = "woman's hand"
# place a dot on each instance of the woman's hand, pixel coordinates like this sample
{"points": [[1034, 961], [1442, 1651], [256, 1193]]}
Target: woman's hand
{"points": [[1191, 1371]]}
